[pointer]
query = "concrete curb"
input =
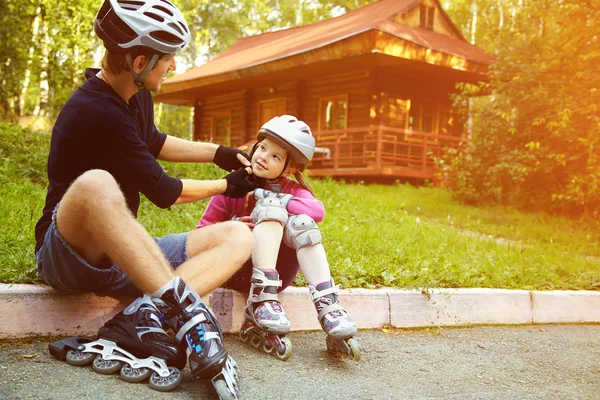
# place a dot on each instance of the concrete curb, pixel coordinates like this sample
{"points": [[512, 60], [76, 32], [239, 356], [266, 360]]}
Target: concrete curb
{"points": [[29, 310]]}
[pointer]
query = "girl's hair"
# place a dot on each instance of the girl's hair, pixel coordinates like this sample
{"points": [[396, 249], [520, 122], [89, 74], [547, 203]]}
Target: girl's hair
{"points": [[302, 181], [297, 175]]}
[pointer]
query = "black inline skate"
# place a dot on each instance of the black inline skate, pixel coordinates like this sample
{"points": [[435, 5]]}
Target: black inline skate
{"points": [[335, 321], [133, 342], [199, 335], [265, 323]]}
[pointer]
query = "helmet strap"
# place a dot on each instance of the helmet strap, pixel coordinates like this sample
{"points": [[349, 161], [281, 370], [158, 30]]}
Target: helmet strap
{"points": [[139, 79]]}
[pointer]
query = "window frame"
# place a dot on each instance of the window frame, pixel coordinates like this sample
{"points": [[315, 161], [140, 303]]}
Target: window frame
{"points": [[426, 16], [322, 104], [213, 124]]}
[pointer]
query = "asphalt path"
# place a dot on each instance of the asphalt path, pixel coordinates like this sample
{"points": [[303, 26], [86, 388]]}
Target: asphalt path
{"points": [[491, 362]]}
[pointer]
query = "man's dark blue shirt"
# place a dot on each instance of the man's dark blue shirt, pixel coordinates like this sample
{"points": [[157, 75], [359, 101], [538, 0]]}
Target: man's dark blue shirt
{"points": [[97, 129]]}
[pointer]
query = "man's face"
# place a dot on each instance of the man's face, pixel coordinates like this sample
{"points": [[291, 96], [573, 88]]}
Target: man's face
{"points": [[157, 75]]}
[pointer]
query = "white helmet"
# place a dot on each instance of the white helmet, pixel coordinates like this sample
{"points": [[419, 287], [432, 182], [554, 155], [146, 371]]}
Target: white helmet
{"points": [[156, 24], [291, 134]]}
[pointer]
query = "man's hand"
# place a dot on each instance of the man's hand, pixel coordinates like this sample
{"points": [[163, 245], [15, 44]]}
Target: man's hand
{"points": [[239, 183], [231, 159]]}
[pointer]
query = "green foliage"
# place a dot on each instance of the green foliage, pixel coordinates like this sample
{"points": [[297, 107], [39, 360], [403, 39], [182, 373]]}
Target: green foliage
{"points": [[23, 156], [16, 21], [535, 145], [397, 236]]}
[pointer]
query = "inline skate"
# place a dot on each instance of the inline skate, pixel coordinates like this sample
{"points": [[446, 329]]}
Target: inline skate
{"points": [[265, 323], [133, 342], [199, 335], [335, 321]]}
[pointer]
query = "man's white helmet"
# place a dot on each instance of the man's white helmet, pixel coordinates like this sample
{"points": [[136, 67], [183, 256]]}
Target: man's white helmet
{"points": [[291, 134], [155, 24]]}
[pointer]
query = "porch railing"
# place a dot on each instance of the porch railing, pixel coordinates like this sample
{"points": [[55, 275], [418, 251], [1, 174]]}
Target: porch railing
{"points": [[378, 150]]}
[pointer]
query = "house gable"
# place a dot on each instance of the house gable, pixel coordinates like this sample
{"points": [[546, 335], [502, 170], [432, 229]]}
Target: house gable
{"points": [[428, 14]]}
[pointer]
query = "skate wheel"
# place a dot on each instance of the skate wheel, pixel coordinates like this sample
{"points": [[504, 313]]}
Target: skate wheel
{"points": [[267, 348], [255, 341], [134, 375], [245, 338], [286, 350], [354, 349], [78, 358], [223, 391], [165, 383], [103, 366]]}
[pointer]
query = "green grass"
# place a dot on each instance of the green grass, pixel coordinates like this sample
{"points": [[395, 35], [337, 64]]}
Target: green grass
{"points": [[375, 235]]}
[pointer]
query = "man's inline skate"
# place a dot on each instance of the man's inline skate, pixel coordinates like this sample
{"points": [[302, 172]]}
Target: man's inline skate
{"points": [[335, 321], [199, 335], [133, 342], [265, 323]]}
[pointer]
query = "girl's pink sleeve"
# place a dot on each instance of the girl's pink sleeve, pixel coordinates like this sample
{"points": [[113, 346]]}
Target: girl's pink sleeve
{"points": [[305, 203], [216, 211]]}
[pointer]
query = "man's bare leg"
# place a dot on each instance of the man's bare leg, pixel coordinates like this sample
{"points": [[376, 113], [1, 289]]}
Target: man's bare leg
{"points": [[94, 219], [215, 253]]}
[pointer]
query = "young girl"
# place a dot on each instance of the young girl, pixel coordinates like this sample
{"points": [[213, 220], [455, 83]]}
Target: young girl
{"points": [[283, 214]]}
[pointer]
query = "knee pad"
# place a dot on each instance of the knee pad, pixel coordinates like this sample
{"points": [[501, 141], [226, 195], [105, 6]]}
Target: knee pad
{"points": [[301, 231], [270, 206]]}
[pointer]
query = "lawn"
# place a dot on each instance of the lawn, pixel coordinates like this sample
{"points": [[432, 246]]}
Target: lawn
{"points": [[375, 235]]}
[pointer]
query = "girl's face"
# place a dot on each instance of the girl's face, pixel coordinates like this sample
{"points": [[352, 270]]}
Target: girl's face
{"points": [[268, 160]]}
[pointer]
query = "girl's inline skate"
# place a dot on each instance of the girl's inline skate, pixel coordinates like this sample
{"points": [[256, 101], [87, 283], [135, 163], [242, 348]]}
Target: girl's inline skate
{"points": [[335, 321], [265, 323], [133, 342], [199, 335]]}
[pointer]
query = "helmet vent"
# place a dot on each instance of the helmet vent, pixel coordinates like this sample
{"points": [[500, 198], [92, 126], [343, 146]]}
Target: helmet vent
{"points": [[131, 4], [176, 27], [185, 29], [166, 37], [165, 10], [154, 16]]}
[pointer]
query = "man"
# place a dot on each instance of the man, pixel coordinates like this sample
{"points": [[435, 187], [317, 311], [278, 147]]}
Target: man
{"points": [[103, 153]]}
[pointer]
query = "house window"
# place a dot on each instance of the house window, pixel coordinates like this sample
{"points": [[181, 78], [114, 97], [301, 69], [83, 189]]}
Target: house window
{"points": [[398, 112], [426, 14], [220, 129], [333, 112], [422, 117]]}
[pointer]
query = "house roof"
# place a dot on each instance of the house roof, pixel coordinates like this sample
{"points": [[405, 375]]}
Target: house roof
{"points": [[261, 49]]}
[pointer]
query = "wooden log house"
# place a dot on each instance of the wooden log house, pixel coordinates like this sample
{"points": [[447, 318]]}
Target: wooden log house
{"points": [[373, 84]]}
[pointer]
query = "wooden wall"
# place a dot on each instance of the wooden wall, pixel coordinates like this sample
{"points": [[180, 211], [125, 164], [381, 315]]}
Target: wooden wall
{"points": [[287, 90], [358, 85], [206, 108], [301, 100]]}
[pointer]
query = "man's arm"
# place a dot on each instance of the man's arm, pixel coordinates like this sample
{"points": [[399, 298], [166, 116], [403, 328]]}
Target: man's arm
{"points": [[195, 190], [233, 185], [181, 150]]}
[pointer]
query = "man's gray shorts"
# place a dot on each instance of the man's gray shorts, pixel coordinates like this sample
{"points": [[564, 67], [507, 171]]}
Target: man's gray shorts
{"points": [[61, 267]]}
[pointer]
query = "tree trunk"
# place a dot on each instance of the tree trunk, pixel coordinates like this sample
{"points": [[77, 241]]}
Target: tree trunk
{"points": [[158, 115], [34, 36], [500, 16], [474, 10], [191, 127], [42, 108]]}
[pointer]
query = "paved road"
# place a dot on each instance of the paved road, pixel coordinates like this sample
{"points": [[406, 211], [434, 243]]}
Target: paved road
{"points": [[525, 362]]}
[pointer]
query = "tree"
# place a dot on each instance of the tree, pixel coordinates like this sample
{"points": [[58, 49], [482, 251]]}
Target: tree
{"points": [[536, 145]]}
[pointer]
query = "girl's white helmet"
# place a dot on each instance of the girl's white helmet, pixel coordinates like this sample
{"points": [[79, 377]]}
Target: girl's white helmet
{"points": [[291, 134], [155, 24]]}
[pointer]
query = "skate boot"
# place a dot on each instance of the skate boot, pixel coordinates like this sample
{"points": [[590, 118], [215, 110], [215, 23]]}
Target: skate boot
{"points": [[335, 321], [134, 342], [265, 323], [199, 335]]}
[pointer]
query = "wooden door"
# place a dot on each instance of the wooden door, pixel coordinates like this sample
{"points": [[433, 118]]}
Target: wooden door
{"points": [[268, 109]]}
